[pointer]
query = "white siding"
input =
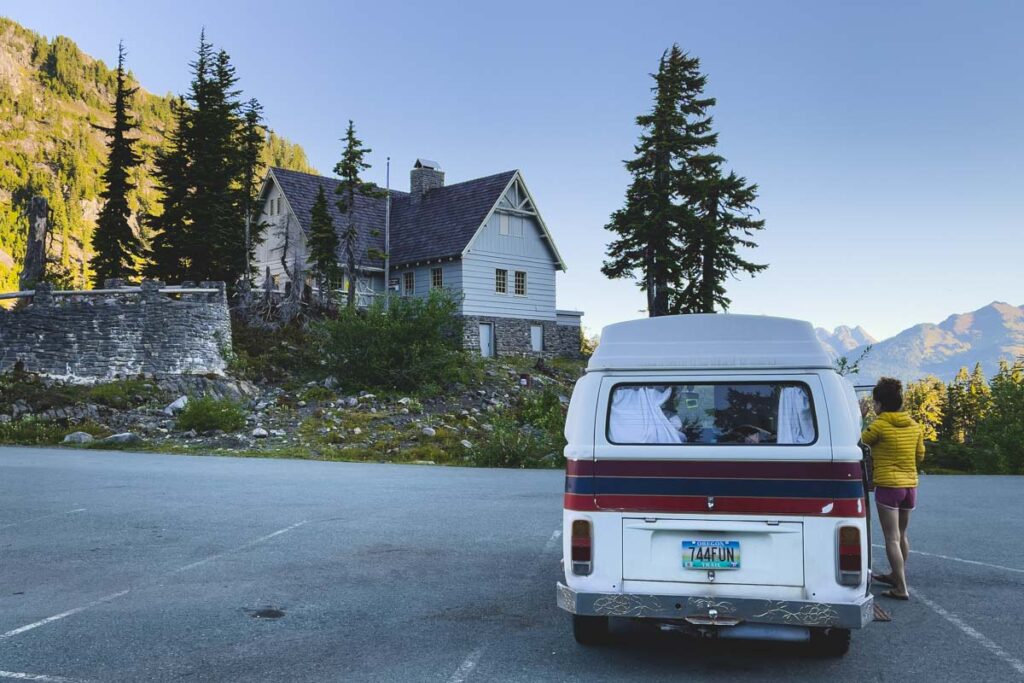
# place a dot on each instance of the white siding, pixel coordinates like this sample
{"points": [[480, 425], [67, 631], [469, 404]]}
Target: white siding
{"points": [[268, 252], [491, 250]]}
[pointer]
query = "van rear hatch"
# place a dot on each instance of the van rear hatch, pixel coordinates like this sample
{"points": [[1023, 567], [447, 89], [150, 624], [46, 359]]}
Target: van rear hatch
{"points": [[768, 552]]}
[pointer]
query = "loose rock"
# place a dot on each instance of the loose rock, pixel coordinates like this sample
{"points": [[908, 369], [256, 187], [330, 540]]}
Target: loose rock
{"points": [[78, 437], [260, 433]]}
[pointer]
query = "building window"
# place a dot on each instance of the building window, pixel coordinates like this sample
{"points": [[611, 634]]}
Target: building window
{"points": [[503, 223], [501, 281], [520, 283], [436, 278], [517, 227], [409, 283]]}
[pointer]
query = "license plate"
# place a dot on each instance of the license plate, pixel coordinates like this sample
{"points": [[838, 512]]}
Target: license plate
{"points": [[711, 554]]}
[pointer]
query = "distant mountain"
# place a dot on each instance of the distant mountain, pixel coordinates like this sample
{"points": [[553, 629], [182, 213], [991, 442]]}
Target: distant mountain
{"points": [[842, 339], [51, 95], [983, 336]]}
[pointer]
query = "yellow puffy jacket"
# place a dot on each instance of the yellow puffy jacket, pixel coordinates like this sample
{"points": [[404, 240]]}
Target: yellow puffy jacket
{"points": [[897, 445]]}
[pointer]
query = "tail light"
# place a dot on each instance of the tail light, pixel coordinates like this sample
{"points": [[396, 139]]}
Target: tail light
{"points": [[849, 564], [582, 544]]}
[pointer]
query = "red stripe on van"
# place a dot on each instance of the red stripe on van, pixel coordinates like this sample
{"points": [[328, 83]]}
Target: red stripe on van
{"points": [[730, 505], [715, 469]]}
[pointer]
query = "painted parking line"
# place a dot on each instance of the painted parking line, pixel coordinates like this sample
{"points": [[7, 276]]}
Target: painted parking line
{"points": [[465, 669], [62, 615], [22, 676], [959, 559], [36, 519], [969, 630], [244, 546], [114, 596]]}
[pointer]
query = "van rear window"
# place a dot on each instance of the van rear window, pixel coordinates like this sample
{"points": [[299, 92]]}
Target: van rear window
{"points": [[739, 413]]}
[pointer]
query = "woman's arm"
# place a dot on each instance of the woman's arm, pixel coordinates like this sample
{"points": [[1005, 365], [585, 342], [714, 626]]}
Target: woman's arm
{"points": [[920, 445], [872, 434]]}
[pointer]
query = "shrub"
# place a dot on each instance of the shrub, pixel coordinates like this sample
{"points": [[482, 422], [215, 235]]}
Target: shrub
{"points": [[415, 344], [529, 434], [207, 414]]}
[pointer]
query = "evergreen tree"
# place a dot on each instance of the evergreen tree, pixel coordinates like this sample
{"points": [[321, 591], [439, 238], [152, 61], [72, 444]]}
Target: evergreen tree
{"points": [[250, 148], [1001, 431], [206, 175], [352, 164], [725, 223], [323, 244], [977, 401], [924, 400], [954, 422], [170, 225], [684, 217], [114, 242]]}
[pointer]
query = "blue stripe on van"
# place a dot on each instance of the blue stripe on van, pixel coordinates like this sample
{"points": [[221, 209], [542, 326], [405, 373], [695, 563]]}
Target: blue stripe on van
{"points": [[760, 488]]}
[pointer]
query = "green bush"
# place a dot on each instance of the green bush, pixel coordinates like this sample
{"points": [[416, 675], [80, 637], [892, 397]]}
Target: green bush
{"points": [[207, 414], [529, 434], [414, 345], [944, 456]]}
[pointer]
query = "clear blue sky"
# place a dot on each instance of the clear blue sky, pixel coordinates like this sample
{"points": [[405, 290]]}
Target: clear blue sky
{"points": [[886, 137]]}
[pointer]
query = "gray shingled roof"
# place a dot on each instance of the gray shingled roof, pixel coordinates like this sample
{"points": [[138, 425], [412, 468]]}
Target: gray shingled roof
{"points": [[439, 225]]}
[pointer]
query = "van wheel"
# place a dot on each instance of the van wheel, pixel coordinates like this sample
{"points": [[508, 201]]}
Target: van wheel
{"points": [[830, 642], [590, 630]]}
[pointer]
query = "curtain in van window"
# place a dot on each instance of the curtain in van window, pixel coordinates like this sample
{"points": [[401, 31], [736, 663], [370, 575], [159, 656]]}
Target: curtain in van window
{"points": [[796, 421], [637, 417]]}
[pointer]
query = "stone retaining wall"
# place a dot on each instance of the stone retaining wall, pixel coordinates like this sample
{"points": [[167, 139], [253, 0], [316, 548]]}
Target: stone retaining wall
{"points": [[512, 337], [100, 337]]}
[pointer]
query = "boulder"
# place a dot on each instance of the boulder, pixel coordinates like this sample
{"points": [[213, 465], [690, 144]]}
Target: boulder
{"points": [[277, 432], [122, 438], [466, 444], [177, 406], [429, 431], [78, 437], [260, 433]]}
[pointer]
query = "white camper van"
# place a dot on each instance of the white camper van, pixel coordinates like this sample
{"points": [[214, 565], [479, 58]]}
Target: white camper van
{"points": [[714, 484]]}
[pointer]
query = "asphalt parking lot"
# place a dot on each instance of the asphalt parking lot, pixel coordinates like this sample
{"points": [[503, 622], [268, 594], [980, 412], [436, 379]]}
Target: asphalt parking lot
{"points": [[132, 567]]}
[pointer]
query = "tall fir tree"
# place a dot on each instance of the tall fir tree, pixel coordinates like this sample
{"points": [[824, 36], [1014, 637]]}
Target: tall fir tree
{"points": [[684, 217], [170, 225], [250, 148], [116, 245], [204, 179], [352, 164], [323, 244]]}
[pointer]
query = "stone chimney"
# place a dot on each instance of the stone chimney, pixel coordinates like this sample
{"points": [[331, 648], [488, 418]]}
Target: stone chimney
{"points": [[425, 175]]}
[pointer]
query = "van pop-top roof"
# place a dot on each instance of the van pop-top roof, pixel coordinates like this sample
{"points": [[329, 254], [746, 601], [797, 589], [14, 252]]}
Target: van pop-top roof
{"points": [[709, 342]]}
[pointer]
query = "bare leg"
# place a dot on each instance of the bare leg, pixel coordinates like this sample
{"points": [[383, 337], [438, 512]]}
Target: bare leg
{"points": [[904, 539], [890, 521]]}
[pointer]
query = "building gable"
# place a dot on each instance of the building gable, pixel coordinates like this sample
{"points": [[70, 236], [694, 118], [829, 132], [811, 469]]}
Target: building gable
{"points": [[513, 215]]}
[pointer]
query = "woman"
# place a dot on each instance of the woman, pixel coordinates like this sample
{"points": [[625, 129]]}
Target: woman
{"points": [[897, 445]]}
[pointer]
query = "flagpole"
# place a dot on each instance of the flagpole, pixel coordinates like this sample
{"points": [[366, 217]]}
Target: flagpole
{"points": [[387, 238]]}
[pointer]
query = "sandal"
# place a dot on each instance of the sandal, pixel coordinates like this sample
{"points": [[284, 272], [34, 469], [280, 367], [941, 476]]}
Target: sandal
{"points": [[895, 596], [884, 579]]}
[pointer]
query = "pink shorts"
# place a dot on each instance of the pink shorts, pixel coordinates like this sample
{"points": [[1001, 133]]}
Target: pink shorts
{"points": [[896, 498]]}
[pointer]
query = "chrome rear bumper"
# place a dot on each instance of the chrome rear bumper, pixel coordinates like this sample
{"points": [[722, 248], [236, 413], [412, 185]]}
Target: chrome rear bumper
{"points": [[724, 611]]}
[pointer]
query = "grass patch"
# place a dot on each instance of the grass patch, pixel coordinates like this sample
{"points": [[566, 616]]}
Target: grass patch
{"points": [[30, 432], [207, 414], [317, 394], [123, 394]]}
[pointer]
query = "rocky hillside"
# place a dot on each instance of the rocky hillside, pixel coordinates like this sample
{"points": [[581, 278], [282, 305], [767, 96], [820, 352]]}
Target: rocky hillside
{"points": [[983, 336], [51, 94]]}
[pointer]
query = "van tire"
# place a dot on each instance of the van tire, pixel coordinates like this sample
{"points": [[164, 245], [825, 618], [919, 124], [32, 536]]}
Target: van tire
{"points": [[830, 642], [590, 630]]}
